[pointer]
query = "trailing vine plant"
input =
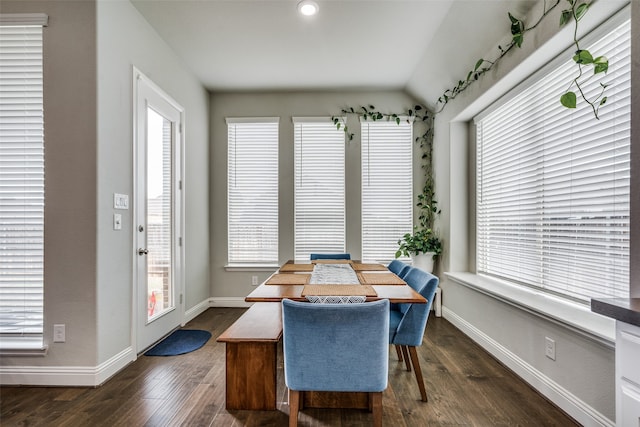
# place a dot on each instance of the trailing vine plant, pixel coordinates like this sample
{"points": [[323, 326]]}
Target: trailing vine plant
{"points": [[582, 58], [423, 236]]}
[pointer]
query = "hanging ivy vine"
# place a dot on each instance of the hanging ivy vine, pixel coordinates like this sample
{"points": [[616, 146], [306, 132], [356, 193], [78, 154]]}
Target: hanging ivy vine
{"points": [[583, 59], [424, 236]]}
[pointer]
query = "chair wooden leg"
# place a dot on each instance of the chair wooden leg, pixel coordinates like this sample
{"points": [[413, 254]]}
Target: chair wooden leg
{"points": [[376, 403], [405, 351], [399, 351], [418, 371], [294, 405]]}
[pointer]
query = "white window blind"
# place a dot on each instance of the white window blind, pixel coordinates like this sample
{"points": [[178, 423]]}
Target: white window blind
{"points": [[387, 187], [553, 184], [21, 180], [252, 195], [319, 187]]}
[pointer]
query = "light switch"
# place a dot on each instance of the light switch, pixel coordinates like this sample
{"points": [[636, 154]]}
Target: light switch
{"points": [[120, 201], [117, 221]]}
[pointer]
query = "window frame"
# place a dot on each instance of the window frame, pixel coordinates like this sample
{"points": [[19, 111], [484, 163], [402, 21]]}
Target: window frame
{"points": [[24, 343], [252, 264], [595, 35], [365, 157]]}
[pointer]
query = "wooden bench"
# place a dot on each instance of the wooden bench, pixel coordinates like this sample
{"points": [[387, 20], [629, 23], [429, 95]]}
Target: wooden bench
{"points": [[251, 357]]}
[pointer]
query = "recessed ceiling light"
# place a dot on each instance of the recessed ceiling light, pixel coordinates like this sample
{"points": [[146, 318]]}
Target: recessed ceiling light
{"points": [[308, 7]]}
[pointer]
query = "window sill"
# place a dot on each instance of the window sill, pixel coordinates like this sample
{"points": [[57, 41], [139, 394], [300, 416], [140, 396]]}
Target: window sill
{"points": [[22, 347], [574, 316], [251, 267]]}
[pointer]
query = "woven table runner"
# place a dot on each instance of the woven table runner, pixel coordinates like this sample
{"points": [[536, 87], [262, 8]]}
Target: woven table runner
{"points": [[380, 279], [331, 261], [294, 268], [338, 290], [369, 267], [288, 279]]}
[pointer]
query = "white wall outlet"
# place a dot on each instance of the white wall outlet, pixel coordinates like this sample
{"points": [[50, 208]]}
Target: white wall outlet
{"points": [[550, 348], [117, 221], [59, 333], [254, 280]]}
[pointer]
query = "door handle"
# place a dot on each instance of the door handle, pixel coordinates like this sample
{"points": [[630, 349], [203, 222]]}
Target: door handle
{"points": [[143, 251]]}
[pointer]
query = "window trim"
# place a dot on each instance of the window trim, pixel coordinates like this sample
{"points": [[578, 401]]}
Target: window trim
{"points": [[602, 29], [26, 344], [251, 265]]}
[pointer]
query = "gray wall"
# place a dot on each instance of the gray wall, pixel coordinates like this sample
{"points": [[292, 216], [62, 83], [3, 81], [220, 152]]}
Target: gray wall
{"points": [[585, 367], [125, 40], [89, 51], [237, 284], [70, 192]]}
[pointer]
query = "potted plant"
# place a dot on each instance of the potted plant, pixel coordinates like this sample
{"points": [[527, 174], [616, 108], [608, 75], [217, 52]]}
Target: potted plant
{"points": [[423, 246]]}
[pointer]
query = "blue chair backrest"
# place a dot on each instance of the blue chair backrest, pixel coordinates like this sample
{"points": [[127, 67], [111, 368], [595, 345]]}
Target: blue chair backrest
{"points": [[336, 347], [396, 266], [414, 320], [405, 270], [313, 257]]}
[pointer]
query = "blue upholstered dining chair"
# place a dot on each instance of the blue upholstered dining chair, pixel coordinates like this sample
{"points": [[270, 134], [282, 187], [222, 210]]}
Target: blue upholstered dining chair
{"points": [[336, 347], [407, 322], [313, 257], [399, 268]]}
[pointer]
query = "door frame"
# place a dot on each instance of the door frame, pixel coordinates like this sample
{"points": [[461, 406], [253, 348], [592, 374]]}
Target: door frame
{"points": [[177, 207]]}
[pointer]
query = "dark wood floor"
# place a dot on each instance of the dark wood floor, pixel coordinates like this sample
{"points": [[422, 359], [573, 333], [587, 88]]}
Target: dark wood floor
{"points": [[466, 387]]}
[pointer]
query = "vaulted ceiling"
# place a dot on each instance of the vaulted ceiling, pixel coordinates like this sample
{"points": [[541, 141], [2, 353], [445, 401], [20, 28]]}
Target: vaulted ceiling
{"points": [[422, 46]]}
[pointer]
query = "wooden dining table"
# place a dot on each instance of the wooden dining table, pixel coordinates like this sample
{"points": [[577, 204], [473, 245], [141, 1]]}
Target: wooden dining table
{"points": [[252, 341], [394, 292]]}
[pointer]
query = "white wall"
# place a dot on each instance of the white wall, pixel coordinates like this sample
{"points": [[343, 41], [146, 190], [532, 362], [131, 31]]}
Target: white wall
{"points": [[125, 40], [235, 284], [581, 380]]}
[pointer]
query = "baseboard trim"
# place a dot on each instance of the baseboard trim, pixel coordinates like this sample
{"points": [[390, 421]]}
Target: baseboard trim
{"points": [[196, 310], [232, 302], [561, 397], [66, 376]]}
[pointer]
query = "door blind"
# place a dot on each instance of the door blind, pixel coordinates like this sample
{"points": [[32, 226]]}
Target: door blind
{"points": [[553, 184], [252, 191], [21, 181], [387, 187], [319, 187]]}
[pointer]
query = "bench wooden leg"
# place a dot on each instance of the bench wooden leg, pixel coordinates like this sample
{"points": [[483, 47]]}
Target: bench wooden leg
{"points": [[376, 403], [251, 376]]}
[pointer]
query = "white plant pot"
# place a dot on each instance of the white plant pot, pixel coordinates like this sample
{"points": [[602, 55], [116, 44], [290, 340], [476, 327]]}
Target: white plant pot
{"points": [[424, 261]]}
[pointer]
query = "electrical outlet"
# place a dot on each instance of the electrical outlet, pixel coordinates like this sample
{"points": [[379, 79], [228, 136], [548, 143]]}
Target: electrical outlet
{"points": [[59, 333], [254, 280], [550, 348]]}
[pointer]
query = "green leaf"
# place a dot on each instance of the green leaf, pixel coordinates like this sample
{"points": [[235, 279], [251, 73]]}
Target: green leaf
{"points": [[398, 120], [581, 10], [372, 107], [338, 125], [478, 64], [410, 113], [565, 17], [518, 38], [603, 100], [601, 65], [583, 57], [417, 108], [512, 18], [568, 100]]}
